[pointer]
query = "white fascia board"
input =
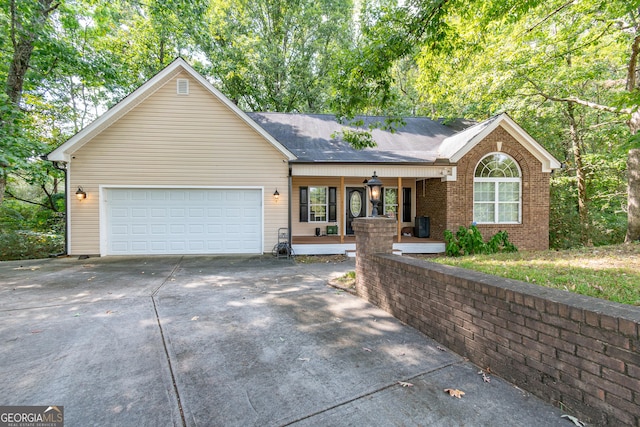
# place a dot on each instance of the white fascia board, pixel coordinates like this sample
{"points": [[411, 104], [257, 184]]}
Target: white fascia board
{"points": [[549, 163]]}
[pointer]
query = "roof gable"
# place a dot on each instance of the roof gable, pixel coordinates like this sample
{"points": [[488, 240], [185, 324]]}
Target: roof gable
{"points": [[456, 146], [64, 152]]}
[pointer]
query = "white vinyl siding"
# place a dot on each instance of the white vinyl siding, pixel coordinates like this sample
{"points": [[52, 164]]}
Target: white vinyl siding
{"points": [[172, 140]]}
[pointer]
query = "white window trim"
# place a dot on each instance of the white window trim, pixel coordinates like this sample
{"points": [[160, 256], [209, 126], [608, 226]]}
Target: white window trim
{"points": [[326, 205], [384, 201], [496, 201]]}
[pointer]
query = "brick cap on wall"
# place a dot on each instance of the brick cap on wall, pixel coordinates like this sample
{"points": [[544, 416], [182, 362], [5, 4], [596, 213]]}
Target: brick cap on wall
{"points": [[378, 225]]}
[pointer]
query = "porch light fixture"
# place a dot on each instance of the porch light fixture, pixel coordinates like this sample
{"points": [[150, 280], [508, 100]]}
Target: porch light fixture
{"points": [[375, 189], [276, 195], [81, 194]]}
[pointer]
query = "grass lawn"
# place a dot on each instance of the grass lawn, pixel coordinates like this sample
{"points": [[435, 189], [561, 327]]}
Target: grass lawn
{"points": [[607, 272]]}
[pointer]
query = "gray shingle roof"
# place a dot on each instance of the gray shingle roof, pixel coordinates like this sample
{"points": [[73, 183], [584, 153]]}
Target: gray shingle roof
{"points": [[309, 137]]}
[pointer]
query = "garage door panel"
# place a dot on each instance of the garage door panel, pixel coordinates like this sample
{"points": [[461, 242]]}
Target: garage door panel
{"points": [[178, 229], [177, 213], [183, 221], [177, 195], [158, 213], [158, 246], [139, 229]]}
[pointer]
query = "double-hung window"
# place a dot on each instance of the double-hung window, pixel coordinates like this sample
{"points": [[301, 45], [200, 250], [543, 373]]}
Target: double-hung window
{"points": [[497, 190], [390, 200], [318, 204]]}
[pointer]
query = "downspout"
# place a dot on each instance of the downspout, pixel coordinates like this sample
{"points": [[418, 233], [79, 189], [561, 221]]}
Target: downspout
{"points": [[290, 205], [63, 168]]}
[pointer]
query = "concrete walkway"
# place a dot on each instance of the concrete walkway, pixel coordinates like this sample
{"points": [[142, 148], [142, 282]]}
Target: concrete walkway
{"points": [[229, 341]]}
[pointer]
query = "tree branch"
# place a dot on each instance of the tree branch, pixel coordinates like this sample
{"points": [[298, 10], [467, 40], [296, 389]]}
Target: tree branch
{"points": [[575, 100], [13, 196], [550, 15]]}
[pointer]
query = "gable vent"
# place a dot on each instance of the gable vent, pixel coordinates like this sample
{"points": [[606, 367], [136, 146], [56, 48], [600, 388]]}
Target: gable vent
{"points": [[183, 87]]}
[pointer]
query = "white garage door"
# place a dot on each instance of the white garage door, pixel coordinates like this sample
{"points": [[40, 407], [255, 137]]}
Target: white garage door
{"points": [[183, 221]]}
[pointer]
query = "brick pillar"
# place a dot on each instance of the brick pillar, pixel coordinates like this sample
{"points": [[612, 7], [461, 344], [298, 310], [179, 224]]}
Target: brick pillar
{"points": [[373, 236]]}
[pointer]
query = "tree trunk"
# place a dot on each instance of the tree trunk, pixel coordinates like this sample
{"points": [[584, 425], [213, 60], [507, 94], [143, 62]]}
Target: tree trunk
{"points": [[3, 183], [23, 41], [633, 213], [576, 146]]}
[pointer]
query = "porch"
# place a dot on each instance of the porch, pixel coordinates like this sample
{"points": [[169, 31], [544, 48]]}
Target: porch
{"points": [[335, 244]]}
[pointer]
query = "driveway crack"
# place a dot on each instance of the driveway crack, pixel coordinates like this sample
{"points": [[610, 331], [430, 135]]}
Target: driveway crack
{"points": [[370, 393], [168, 278], [166, 345]]}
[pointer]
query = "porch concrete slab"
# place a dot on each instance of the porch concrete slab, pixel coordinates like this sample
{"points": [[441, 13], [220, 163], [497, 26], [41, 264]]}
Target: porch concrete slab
{"points": [[229, 341]]}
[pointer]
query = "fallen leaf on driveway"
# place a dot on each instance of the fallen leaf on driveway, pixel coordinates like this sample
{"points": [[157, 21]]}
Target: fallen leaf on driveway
{"points": [[485, 378], [573, 420], [404, 384], [454, 392]]}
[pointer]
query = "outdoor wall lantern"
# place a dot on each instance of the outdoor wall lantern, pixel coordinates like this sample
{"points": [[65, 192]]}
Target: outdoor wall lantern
{"points": [[375, 189], [80, 194], [276, 195]]}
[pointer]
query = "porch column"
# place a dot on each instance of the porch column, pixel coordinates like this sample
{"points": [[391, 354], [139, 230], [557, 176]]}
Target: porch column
{"points": [[399, 213], [341, 211]]}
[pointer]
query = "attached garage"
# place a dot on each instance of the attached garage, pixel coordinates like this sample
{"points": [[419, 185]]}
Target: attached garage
{"points": [[154, 221]]}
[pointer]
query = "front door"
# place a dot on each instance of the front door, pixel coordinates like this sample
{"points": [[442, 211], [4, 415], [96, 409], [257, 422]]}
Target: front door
{"points": [[356, 206]]}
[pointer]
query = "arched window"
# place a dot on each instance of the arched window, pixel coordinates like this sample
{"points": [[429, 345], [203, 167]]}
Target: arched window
{"points": [[497, 190]]}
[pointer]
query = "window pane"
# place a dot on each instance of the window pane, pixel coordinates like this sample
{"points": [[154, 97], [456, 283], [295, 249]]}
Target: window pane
{"points": [[509, 191], [484, 212], [484, 192], [508, 212], [318, 213], [317, 204], [318, 195], [390, 200], [497, 166]]}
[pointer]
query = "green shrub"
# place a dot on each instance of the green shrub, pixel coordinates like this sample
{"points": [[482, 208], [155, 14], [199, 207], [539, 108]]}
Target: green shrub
{"points": [[469, 241], [18, 245]]}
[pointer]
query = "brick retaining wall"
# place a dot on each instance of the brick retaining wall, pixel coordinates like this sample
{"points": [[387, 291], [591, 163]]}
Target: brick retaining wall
{"points": [[577, 352]]}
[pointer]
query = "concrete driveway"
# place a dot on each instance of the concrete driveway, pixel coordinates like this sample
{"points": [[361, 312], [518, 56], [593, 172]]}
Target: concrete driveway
{"points": [[229, 341]]}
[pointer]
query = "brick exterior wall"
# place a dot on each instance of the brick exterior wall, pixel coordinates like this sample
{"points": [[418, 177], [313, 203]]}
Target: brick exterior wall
{"points": [[433, 203], [532, 233], [577, 352]]}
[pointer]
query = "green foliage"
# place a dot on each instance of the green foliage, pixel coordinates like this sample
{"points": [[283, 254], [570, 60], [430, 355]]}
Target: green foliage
{"points": [[607, 200], [30, 231], [469, 241], [29, 245]]}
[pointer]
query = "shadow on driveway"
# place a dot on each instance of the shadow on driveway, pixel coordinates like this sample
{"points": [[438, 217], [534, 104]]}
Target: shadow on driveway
{"points": [[229, 341]]}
